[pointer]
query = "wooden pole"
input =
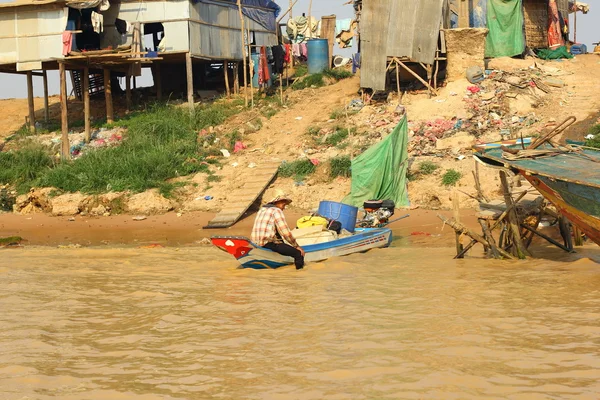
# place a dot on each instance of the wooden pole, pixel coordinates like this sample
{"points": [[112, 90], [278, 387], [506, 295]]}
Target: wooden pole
{"points": [[86, 104], [578, 239], [575, 24], [158, 82], [46, 106], [398, 82], [190, 81], [249, 55], [243, 30], [291, 5], [549, 239], [65, 153], [487, 234], [226, 72], [30, 102], [310, 32], [236, 78], [128, 91], [513, 220], [110, 117], [456, 207], [281, 88], [289, 10]]}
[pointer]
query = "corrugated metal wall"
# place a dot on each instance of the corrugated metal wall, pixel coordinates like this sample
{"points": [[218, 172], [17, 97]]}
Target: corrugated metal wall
{"points": [[215, 32], [397, 28]]}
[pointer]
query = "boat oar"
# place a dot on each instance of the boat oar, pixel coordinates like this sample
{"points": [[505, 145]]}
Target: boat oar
{"points": [[395, 220]]}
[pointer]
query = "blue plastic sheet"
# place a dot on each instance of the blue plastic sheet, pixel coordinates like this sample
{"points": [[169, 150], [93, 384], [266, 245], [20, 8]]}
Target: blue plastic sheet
{"points": [[264, 17]]}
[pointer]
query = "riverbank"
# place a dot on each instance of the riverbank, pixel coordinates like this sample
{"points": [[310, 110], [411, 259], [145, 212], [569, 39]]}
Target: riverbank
{"points": [[422, 227]]}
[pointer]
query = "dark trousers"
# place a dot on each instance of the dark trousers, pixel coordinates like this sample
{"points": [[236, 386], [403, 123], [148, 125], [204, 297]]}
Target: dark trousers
{"points": [[287, 250]]}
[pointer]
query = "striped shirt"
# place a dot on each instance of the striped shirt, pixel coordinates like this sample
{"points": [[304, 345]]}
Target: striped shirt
{"points": [[269, 222]]}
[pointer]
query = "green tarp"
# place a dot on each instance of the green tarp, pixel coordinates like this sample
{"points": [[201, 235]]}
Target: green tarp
{"points": [[380, 172], [505, 23], [547, 54]]}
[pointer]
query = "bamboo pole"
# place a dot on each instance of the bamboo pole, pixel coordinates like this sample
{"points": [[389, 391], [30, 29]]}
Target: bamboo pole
{"points": [[291, 5], [243, 30], [86, 104], [46, 106], [249, 55], [236, 78], [190, 81], [65, 153], [289, 10], [30, 103], [310, 33], [226, 71], [487, 234], [519, 248]]}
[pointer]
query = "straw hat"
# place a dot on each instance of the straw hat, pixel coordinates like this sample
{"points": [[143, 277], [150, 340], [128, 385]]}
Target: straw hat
{"points": [[279, 197]]}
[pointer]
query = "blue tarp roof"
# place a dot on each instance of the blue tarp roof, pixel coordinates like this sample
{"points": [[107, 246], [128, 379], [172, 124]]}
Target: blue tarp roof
{"points": [[263, 16]]}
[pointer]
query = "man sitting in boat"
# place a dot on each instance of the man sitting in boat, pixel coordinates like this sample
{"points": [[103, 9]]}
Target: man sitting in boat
{"points": [[270, 230]]}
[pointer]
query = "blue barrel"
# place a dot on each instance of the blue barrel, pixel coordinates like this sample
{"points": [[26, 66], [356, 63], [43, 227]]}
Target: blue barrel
{"points": [[578, 49], [318, 55], [343, 213], [255, 57]]}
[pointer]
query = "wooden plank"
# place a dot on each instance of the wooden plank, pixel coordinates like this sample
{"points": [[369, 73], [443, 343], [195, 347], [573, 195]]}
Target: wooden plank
{"points": [[190, 82], [46, 106], [65, 153], [244, 197], [328, 32]]}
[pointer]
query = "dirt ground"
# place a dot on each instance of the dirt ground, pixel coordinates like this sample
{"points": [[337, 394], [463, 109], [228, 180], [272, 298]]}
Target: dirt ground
{"points": [[283, 137]]}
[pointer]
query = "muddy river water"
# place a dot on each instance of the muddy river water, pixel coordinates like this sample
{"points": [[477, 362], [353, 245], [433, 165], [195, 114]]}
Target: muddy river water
{"points": [[403, 322]]}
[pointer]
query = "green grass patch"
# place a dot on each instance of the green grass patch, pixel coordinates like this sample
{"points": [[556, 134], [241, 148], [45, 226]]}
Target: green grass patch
{"points": [[298, 169], [337, 73], [313, 130], [301, 70], [314, 80], [338, 136], [24, 167], [5, 241], [340, 166], [168, 189], [427, 167], [451, 177], [158, 146]]}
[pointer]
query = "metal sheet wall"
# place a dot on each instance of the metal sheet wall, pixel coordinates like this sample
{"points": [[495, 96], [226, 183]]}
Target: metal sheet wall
{"points": [[215, 32], [397, 28]]}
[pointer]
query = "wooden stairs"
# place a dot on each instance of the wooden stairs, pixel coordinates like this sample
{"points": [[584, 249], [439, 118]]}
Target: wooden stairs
{"points": [[245, 196]]}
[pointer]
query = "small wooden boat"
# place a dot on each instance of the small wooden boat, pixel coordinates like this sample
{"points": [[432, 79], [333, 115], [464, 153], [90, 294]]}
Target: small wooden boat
{"points": [[568, 177], [251, 256]]}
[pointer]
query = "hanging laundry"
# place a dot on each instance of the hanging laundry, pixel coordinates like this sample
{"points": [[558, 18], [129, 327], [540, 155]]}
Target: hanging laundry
{"points": [[121, 26], [555, 37], [263, 68], [278, 58], [303, 50], [288, 54], [67, 41], [296, 50], [97, 22]]}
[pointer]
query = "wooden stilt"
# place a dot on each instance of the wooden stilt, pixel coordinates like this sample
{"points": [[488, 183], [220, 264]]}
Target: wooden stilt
{"points": [[243, 31], [190, 81], [577, 236], [249, 55], [46, 106], [65, 153], [529, 238], [86, 104], [519, 248], [463, 229], [128, 91], [549, 239], [487, 234], [158, 82], [456, 207], [236, 78], [398, 82], [281, 88], [30, 101], [110, 117], [565, 231], [226, 72]]}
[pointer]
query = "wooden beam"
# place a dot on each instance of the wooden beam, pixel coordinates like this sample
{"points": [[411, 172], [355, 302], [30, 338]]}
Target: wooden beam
{"points": [[190, 81], [236, 78], [64, 121], [413, 73], [46, 106], [86, 104], [513, 219], [549, 239], [110, 117], [245, 70], [30, 103]]}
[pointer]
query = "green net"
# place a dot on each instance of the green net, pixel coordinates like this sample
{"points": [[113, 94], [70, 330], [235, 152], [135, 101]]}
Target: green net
{"points": [[505, 24], [555, 54], [380, 172]]}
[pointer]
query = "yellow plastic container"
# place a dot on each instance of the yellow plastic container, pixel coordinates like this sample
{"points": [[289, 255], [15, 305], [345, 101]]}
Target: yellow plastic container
{"points": [[309, 221]]}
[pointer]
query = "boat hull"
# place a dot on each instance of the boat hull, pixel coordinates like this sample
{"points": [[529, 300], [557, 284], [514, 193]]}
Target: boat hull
{"points": [[251, 256], [578, 202]]}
